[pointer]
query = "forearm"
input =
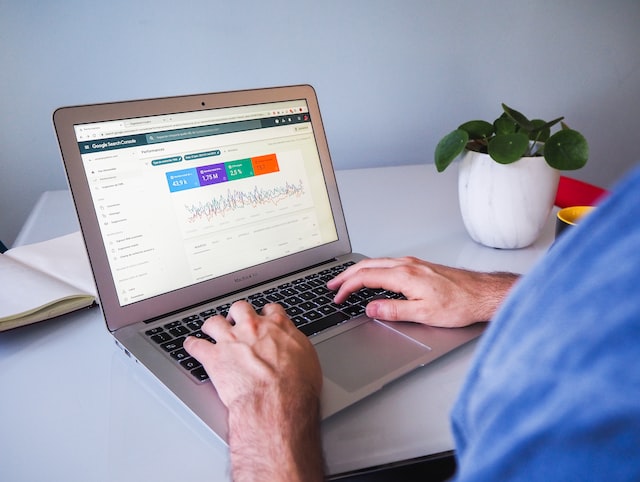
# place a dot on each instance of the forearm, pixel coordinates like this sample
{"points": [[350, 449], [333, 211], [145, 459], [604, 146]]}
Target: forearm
{"points": [[490, 291], [275, 436]]}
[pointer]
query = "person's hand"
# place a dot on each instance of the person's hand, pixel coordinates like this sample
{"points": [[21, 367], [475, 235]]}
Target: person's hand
{"points": [[252, 351], [268, 375], [435, 295]]}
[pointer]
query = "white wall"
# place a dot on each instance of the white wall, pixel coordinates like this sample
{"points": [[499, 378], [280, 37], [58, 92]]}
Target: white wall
{"points": [[406, 72]]}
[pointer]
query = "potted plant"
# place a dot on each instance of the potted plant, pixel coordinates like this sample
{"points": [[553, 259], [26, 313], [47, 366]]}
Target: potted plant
{"points": [[509, 175]]}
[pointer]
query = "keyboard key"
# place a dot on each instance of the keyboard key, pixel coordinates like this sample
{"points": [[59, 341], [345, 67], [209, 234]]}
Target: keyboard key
{"points": [[199, 334], [179, 331], [161, 337], [190, 363], [321, 291], [258, 303], [316, 282], [293, 301], [299, 320], [308, 295], [173, 344], [275, 297], [313, 315], [353, 310], [294, 311], [327, 309], [323, 323], [194, 325], [207, 313], [288, 292], [180, 354], [200, 374], [308, 305]]}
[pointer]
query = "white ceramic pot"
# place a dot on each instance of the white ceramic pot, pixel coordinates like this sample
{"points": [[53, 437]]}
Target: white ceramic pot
{"points": [[505, 205]]}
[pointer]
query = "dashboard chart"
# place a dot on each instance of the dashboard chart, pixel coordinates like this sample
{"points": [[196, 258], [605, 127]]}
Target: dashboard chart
{"points": [[234, 200], [217, 195], [260, 207]]}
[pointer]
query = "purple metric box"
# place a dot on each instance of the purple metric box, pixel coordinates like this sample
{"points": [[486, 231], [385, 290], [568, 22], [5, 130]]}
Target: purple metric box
{"points": [[212, 174]]}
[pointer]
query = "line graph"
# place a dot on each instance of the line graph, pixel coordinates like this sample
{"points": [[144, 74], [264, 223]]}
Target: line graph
{"points": [[234, 200]]}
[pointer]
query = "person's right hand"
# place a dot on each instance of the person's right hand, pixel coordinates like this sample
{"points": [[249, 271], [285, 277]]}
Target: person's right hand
{"points": [[254, 351], [435, 294], [267, 373]]}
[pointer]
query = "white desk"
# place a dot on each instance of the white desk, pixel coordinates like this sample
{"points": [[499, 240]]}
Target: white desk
{"points": [[73, 407]]}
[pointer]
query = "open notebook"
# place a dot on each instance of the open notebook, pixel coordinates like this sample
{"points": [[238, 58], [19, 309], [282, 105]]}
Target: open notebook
{"points": [[189, 203]]}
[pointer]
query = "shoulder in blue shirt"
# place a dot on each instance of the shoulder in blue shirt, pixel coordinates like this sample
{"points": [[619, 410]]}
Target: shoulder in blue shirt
{"points": [[554, 390]]}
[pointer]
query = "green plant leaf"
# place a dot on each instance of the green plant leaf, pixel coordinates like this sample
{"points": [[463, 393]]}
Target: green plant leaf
{"points": [[518, 118], [505, 125], [541, 131], [477, 129], [508, 148], [449, 147], [550, 124], [566, 150]]}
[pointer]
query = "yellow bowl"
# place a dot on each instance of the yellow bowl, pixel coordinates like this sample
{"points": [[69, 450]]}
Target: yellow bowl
{"points": [[570, 216]]}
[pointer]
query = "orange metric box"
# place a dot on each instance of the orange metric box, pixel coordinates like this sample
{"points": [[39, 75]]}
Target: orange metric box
{"points": [[265, 164]]}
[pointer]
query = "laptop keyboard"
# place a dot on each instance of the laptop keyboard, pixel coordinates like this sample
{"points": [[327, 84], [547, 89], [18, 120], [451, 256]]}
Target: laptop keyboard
{"points": [[307, 301]]}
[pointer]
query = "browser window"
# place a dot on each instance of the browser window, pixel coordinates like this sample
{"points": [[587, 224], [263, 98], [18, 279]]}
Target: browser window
{"points": [[177, 193]]}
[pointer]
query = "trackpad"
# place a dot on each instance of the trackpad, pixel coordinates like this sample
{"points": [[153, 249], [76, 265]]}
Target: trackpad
{"points": [[367, 353]]}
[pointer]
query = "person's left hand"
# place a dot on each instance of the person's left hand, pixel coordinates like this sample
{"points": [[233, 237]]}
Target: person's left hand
{"points": [[435, 295]]}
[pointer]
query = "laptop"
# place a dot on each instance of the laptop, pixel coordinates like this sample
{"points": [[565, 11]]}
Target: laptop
{"points": [[189, 203]]}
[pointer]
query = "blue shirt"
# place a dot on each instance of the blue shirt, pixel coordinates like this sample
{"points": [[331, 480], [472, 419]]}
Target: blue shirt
{"points": [[553, 393]]}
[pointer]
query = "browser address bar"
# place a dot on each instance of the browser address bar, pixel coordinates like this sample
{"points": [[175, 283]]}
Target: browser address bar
{"points": [[179, 134]]}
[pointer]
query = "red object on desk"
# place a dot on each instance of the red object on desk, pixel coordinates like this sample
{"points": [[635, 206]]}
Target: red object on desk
{"points": [[572, 192]]}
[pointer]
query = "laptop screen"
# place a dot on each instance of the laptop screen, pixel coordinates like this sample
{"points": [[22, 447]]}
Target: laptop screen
{"points": [[187, 197]]}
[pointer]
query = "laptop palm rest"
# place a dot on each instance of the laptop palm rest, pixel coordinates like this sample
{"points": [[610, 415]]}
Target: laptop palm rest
{"points": [[366, 354]]}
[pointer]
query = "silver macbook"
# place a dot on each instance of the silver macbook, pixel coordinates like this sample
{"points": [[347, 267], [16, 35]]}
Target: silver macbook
{"points": [[189, 203]]}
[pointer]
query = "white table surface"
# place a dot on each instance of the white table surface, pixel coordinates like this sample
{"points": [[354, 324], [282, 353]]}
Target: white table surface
{"points": [[73, 407]]}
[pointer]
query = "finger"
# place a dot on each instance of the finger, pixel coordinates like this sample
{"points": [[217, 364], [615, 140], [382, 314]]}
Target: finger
{"points": [[347, 288], [276, 314], [201, 350], [240, 310], [388, 310], [335, 282], [273, 309], [411, 310], [218, 328], [209, 355], [248, 323], [385, 278]]}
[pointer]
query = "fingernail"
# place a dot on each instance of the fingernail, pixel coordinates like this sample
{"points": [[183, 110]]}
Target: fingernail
{"points": [[372, 309]]}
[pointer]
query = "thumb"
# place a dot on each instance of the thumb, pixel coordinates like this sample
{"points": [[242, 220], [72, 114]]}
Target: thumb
{"points": [[389, 310]]}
